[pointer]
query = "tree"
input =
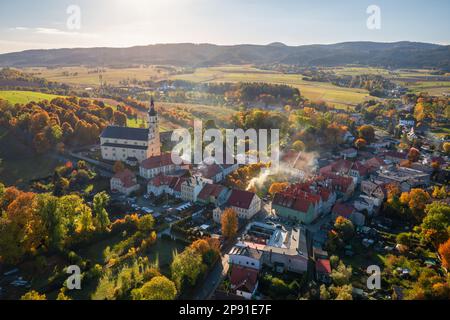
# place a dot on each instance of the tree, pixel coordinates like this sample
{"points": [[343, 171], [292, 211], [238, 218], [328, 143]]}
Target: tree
{"points": [[33, 295], [416, 200], [341, 275], [298, 146], [62, 295], [360, 143], [444, 252], [435, 225], [118, 167], [186, 266], [101, 216], [120, 118], [158, 288], [413, 155], [344, 227], [439, 193], [278, 187], [229, 222], [367, 132], [446, 147]]}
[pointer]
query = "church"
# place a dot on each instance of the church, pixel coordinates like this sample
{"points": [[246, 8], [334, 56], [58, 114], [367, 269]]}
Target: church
{"points": [[132, 145]]}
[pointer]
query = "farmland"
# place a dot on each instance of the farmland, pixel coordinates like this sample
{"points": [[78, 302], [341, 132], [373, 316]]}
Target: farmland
{"points": [[89, 76], [337, 96]]}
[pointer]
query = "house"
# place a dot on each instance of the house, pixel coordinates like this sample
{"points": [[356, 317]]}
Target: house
{"points": [[364, 203], [191, 188], [243, 281], [124, 182], [213, 193], [282, 249], [340, 167], [374, 164], [132, 145], [349, 153], [303, 202], [156, 165], [245, 256], [348, 137], [343, 186], [323, 270], [161, 184], [358, 171], [209, 173], [245, 203], [373, 189]]}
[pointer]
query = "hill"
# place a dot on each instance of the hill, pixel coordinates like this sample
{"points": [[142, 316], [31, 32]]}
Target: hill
{"points": [[392, 55]]}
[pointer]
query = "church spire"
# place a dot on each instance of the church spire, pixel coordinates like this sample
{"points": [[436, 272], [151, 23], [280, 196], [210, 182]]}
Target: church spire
{"points": [[152, 111]]}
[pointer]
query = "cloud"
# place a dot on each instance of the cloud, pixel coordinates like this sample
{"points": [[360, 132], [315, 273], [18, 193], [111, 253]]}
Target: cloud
{"points": [[52, 31]]}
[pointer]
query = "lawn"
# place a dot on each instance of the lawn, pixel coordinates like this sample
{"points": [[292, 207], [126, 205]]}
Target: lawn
{"points": [[25, 96]]}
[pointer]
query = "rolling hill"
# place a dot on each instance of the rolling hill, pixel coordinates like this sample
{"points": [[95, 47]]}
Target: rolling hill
{"points": [[394, 55]]}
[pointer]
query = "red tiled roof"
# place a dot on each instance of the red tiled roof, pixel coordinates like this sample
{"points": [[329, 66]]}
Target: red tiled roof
{"points": [[342, 210], [323, 266], [395, 154], [374, 163], [127, 178], [339, 183], [209, 171], [161, 180], [297, 203], [157, 161], [362, 169], [242, 278], [241, 199], [210, 190]]}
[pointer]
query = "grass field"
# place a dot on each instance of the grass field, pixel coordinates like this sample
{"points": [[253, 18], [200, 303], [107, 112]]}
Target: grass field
{"points": [[25, 96], [337, 96], [84, 76]]}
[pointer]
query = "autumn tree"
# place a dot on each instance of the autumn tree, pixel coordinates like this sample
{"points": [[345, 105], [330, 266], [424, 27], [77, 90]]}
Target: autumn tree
{"points": [[446, 147], [230, 223], [118, 167], [416, 200], [444, 252], [344, 227], [360, 143], [435, 226], [120, 118], [33, 295], [367, 132], [413, 155], [278, 187]]}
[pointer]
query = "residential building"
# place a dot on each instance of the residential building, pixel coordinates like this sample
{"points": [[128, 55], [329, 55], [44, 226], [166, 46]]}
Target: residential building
{"points": [[245, 203], [191, 188], [156, 165], [213, 194], [243, 281], [282, 249], [124, 182], [245, 256]]}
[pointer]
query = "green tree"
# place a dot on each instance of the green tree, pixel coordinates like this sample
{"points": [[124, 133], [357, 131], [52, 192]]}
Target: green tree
{"points": [[158, 288], [101, 216], [186, 266]]}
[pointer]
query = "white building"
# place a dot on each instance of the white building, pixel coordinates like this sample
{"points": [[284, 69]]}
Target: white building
{"points": [[132, 145], [124, 182], [191, 188]]}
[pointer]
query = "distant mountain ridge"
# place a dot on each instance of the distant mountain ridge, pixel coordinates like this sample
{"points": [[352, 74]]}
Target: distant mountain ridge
{"points": [[395, 55]]}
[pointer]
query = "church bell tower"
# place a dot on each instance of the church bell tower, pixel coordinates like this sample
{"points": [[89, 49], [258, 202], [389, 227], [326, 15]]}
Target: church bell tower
{"points": [[154, 143]]}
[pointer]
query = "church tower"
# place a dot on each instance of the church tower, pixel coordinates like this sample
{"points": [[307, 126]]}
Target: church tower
{"points": [[154, 143]]}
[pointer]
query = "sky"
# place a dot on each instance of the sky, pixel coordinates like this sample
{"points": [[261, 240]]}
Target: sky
{"points": [[44, 24]]}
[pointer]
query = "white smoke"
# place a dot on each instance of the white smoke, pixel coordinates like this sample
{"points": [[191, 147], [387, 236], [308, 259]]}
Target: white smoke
{"points": [[294, 169]]}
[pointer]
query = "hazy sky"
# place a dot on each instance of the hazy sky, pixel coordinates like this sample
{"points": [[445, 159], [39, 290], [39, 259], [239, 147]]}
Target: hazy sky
{"points": [[31, 24]]}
